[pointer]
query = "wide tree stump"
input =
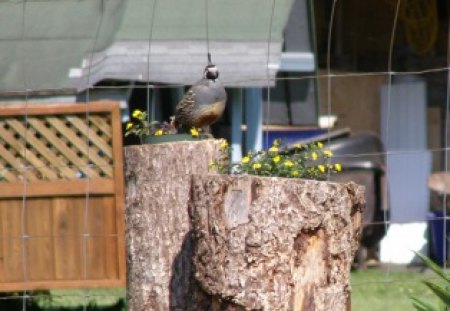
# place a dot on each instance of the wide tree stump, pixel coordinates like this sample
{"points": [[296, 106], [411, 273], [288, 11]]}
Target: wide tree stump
{"points": [[273, 243], [159, 243]]}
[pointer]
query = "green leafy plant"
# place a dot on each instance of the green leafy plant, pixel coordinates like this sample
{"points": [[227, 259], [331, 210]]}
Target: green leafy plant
{"points": [[140, 126], [441, 291], [309, 161], [222, 164]]}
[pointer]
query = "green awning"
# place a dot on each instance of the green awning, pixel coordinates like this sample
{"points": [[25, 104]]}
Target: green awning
{"points": [[48, 45]]}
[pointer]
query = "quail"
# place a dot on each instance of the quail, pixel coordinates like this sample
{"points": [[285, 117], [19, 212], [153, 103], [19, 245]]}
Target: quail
{"points": [[204, 103]]}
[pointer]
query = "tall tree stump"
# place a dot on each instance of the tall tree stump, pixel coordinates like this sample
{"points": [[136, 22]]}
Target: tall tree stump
{"points": [[159, 243], [273, 243]]}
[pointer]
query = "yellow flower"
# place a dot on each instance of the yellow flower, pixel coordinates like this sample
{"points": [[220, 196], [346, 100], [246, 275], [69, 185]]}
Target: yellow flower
{"points": [[294, 173], [194, 132], [129, 125], [321, 168], [298, 146], [338, 167], [314, 156], [328, 153], [159, 132], [276, 159], [319, 145], [256, 166], [288, 163], [224, 145], [137, 114], [245, 160], [273, 149], [276, 143]]}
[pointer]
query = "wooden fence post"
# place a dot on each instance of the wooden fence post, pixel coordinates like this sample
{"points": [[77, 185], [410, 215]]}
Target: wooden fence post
{"points": [[158, 231], [274, 243]]}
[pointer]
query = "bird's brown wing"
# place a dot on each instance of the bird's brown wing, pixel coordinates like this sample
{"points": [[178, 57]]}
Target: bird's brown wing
{"points": [[194, 108], [185, 107]]}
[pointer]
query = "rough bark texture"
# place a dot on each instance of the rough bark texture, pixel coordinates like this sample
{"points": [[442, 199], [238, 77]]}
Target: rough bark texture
{"points": [[273, 243], [159, 240]]}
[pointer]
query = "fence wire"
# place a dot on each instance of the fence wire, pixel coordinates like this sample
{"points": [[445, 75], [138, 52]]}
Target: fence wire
{"points": [[329, 78]]}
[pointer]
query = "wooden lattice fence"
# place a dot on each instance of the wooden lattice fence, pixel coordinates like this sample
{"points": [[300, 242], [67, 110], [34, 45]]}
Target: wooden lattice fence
{"points": [[61, 196]]}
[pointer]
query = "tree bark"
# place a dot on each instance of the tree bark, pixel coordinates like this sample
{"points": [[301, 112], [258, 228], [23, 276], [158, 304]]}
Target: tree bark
{"points": [[273, 243], [159, 240]]}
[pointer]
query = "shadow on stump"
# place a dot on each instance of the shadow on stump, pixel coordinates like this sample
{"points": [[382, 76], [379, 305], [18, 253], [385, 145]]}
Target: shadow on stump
{"points": [[185, 292]]}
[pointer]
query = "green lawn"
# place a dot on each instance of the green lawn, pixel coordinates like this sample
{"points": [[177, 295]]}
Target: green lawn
{"points": [[97, 299], [66, 300], [372, 290], [377, 290]]}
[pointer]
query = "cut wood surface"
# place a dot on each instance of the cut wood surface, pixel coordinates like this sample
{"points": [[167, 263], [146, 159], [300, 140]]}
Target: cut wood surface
{"points": [[158, 231], [273, 243]]}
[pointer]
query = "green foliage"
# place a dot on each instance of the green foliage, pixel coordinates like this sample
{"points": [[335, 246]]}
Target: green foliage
{"points": [[140, 126], [374, 290], [441, 291], [101, 299], [305, 161], [222, 164], [421, 305]]}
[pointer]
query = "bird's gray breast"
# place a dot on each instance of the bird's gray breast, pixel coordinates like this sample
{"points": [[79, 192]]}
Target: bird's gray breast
{"points": [[209, 92]]}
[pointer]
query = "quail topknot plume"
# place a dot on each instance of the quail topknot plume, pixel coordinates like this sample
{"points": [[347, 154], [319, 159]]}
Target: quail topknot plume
{"points": [[204, 103]]}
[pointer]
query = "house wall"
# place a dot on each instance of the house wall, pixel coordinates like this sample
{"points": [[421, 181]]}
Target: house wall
{"points": [[354, 99], [356, 102]]}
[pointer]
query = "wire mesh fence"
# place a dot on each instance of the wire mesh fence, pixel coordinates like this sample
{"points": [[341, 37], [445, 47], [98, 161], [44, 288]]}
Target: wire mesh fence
{"points": [[380, 66]]}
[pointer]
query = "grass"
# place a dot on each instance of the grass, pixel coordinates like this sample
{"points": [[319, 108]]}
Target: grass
{"points": [[376, 290], [372, 290], [66, 300], [100, 298]]}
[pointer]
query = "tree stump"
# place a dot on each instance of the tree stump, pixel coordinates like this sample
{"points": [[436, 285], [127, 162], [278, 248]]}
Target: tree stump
{"points": [[159, 241], [274, 243]]}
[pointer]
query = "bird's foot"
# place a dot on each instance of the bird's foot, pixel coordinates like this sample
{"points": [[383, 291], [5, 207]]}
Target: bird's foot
{"points": [[206, 133]]}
